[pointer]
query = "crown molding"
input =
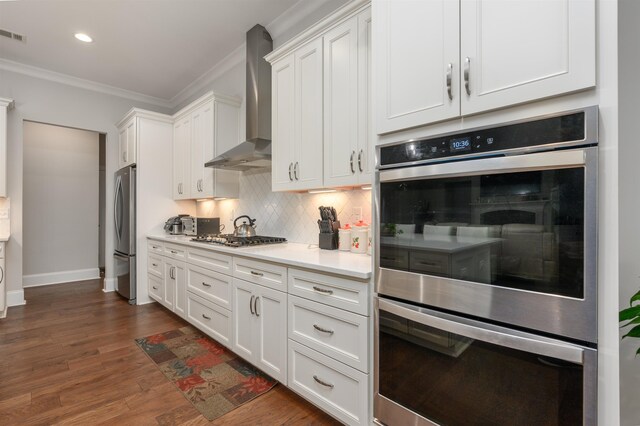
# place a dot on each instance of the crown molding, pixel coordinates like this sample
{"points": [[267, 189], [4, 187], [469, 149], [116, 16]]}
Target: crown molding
{"points": [[44, 74], [6, 103], [209, 96], [143, 113], [292, 16]]}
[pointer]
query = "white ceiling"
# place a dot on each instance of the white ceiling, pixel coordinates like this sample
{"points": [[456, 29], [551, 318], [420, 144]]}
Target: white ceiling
{"points": [[153, 47]]}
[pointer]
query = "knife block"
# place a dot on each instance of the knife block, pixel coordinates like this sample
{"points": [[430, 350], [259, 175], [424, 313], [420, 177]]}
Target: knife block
{"points": [[328, 241]]}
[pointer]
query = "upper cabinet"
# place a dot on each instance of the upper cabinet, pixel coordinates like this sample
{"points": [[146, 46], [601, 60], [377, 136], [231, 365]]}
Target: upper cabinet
{"points": [[321, 123], [127, 143], [437, 60], [5, 106], [201, 131]]}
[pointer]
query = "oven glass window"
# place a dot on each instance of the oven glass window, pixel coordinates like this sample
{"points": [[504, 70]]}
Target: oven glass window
{"points": [[453, 380], [519, 230]]}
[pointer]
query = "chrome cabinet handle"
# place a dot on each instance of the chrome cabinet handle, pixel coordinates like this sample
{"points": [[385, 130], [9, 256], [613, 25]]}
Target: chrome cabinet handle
{"points": [[251, 305], [257, 274], [323, 330], [154, 287], [155, 264], [171, 272], [467, 66], [206, 284], [295, 171], [290, 166], [174, 252], [353, 153], [323, 383], [124, 156], [255, 306], [322, 290], [360, 154], [181, 188], [449, 73], [155, 247], [206, 317]]}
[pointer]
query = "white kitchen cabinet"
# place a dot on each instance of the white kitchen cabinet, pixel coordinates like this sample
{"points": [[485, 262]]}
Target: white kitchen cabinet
{"points": [[297, 119], [260, 327], [202, 130], [5, 106], [127, 143], [347, 100], [3, 283], [175, 296], [439, 59]]}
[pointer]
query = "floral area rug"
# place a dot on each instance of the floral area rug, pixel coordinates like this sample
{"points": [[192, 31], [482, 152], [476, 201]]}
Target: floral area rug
{"points": [[211, 377]]}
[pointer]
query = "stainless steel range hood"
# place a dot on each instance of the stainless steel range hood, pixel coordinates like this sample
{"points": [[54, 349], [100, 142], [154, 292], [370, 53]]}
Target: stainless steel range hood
{"points": [[255, 152]]}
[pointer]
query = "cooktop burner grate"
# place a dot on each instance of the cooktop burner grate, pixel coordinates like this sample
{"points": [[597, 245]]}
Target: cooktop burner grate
{"points": [[230, 240]]}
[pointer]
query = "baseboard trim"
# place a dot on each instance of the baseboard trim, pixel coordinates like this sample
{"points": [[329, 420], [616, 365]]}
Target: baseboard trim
{"points": [[109, 285], [15, 298], [37, 280]]}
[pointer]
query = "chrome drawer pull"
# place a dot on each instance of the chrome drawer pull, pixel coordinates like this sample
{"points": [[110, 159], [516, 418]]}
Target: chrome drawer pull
{"points": [[155, 264], [155, 288], [429, 263], [257, 274], [206, 284], [251, 305], [324, 330], [322, 290], [174, 252], [329, 385], [206, 317]]}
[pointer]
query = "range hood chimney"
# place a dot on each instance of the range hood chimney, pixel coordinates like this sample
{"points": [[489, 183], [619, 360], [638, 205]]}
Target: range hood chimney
{"points": [[255, 152]]}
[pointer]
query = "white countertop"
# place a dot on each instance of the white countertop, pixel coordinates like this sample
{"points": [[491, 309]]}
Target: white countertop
{"points": [[4, 238], [293, 254]]}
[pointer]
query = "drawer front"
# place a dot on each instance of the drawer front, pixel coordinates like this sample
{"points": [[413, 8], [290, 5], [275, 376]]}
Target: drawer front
{"points": [[341, 293], [329, 384], [210, 318], [212, 286], [334, 332], [210, 259], [155, 246], [430, 263], [175, 251], [154, 265], [156, 288], [263, 273]]}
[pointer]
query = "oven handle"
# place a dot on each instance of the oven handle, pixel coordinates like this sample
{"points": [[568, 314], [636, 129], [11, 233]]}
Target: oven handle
{"points": [[493, 165], [486, 332]]}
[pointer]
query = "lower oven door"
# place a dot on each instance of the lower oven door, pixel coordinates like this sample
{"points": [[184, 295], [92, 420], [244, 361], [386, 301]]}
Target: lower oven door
{"points": [[438, 369]]}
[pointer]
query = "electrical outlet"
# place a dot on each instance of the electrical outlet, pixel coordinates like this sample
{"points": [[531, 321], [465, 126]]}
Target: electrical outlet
{"points": [[356, 213]]}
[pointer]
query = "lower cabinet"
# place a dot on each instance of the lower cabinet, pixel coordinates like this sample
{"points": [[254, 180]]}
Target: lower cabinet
{"points": [[167, 283], [210, 318], [260, 327]]}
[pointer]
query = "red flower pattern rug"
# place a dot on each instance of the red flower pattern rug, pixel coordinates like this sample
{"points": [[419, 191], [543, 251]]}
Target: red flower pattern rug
{"points": [[212, 378]]}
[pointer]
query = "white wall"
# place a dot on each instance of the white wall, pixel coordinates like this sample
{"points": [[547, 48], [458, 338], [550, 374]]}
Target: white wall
{"points": [[55, 103], [629, 54], [60, 196]]}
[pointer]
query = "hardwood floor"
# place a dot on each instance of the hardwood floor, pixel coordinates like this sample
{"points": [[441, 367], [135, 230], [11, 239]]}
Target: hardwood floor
{"points": [[68, 357]]}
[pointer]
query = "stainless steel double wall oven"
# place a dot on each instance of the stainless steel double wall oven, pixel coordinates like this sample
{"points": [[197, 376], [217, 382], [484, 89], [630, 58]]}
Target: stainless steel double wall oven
{"points": [[486, 257]]}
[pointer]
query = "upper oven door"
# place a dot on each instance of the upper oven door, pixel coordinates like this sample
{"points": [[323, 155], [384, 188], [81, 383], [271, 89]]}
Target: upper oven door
{"points": [[511, 239]]}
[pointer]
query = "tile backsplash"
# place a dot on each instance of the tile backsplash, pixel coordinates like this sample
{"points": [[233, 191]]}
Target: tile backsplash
{"points": [[283, 214]]}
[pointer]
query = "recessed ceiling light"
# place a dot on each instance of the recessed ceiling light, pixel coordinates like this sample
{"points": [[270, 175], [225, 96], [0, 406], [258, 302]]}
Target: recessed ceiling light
{"points": [[83, 37]]}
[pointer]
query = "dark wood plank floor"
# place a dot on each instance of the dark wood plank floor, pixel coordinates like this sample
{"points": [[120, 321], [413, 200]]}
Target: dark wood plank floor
{"points": [[68, 357]]}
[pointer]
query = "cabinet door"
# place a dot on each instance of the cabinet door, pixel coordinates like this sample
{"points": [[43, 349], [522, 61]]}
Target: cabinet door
{"points": [[169, 296], [307, 169], [122, 147], [282, 123], [416, 48], [516, 52], [181, 153], [271, 314], [243, 341], [341, 105], [132, 138], [365, 123], [201, 149], [180, 282]]}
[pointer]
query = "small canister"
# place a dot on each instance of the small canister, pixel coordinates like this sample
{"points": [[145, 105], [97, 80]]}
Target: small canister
{"points": [[344, 238], [359, 237]]}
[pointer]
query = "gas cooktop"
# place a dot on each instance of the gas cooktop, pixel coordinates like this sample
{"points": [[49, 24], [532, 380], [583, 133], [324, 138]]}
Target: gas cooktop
{"points": [[229, 240]]}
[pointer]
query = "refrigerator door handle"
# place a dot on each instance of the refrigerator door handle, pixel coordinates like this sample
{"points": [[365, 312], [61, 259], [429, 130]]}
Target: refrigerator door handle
{"points": [[115, 206]]}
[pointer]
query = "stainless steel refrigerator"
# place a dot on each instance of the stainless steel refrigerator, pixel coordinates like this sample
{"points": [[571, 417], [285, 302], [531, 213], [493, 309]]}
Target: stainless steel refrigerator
{"points": [[124, 218]]}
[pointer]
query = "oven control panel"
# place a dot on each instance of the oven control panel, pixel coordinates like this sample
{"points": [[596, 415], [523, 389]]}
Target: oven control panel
{"points": [[562, 129]]}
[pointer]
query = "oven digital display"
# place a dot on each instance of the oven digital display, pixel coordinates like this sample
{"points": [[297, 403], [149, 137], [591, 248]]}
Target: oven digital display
{"points": [[460, 145]]}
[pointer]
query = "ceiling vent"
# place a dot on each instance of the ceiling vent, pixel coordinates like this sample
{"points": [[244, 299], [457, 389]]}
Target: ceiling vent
{"points": [[13, 36]]}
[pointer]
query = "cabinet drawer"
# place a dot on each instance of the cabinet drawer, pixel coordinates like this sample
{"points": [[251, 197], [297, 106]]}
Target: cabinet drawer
{"points": [[210, 318], [341, 293], [263, 273], [175, 251], [154, 265], [334, 332], [431, 263], [210, 259], [155, 246], [212, 286], [156, 287], [329, 384]]}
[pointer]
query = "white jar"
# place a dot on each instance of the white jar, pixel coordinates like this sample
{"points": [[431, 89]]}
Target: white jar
{"points": [[344, 239], [359, 239]]}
